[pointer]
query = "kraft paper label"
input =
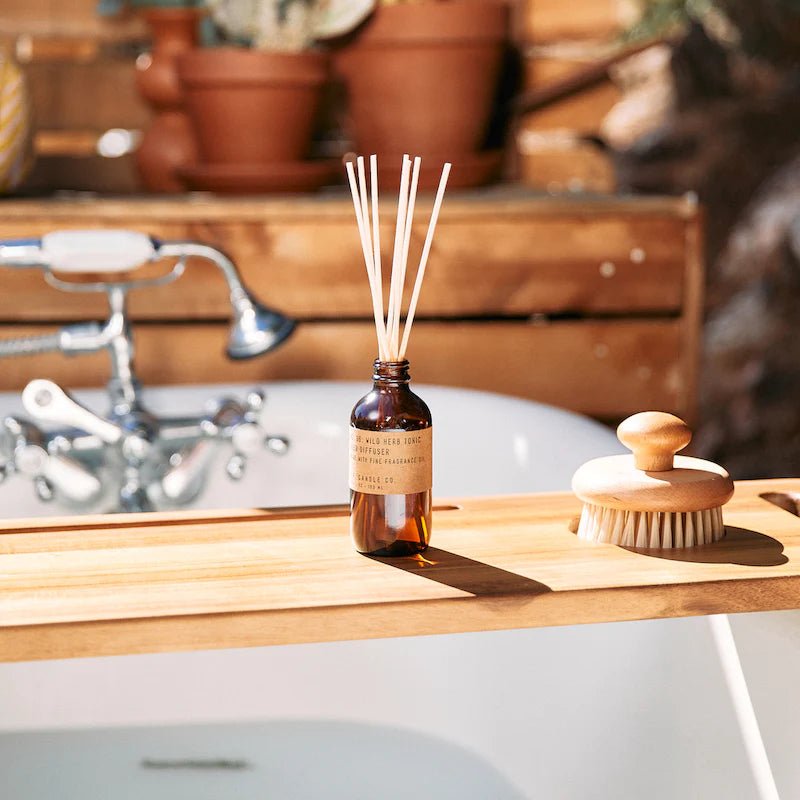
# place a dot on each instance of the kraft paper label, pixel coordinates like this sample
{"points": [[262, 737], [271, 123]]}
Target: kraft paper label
{"points": [[391, 462]]}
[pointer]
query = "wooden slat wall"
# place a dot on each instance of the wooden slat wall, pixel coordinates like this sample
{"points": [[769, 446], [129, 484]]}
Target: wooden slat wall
{"points": [[561, 40], [592, 306], [511, 264], [605, 369], [555, 20], [76, 99], [96, 95], [76, 18]]}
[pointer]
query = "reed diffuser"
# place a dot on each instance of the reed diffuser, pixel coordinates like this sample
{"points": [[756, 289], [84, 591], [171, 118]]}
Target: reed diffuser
{"points": [[391, 433]]}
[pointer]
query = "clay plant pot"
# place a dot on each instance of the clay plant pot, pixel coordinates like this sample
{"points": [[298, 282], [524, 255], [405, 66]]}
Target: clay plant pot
{"points": [[252, 107], [421, 78], [174, 32], [168, 144]]}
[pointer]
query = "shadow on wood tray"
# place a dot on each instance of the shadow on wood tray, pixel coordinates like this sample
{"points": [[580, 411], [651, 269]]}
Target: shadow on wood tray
{"points": [[466, 574], [738, 546]]}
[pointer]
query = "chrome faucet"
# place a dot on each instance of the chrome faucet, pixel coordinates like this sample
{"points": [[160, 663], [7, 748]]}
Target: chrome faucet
{"points": [[131, 460]]}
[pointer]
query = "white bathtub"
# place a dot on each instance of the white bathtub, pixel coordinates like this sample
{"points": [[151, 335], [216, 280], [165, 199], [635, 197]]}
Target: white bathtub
{"points": [[605, 712], [485, 444]]}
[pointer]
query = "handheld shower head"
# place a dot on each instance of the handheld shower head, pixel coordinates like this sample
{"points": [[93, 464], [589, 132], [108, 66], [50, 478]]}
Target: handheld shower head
{"points": [[255, 329]]}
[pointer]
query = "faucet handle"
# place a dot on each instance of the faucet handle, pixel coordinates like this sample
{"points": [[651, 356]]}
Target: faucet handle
{"points": [[246, 438], [255, 402], [46, 401], [104, 250], [183, 479], [27, 454], [278, 445], [70, 479]]}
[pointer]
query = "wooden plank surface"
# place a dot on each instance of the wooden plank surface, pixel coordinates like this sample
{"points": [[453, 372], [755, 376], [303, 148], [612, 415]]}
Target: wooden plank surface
{"points": [[98, 94], [582, 112], [557, 162], [526, 256], [78, 143], [548, 64], [146, 583], [555, 20], [603, 368], [472, 205], [66, 18], [87, 174], [618, 276], [693, 305]]}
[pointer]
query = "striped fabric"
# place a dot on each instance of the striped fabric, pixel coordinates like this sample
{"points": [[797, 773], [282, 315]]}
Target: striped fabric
{"points": [[16, 127]]}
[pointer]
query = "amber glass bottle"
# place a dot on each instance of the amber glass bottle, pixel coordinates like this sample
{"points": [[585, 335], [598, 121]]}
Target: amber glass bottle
{"points": [[390, 466]]}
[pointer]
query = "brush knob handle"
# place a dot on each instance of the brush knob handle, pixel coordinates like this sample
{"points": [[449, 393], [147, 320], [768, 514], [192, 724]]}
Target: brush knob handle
{"points": [[654, 437]]}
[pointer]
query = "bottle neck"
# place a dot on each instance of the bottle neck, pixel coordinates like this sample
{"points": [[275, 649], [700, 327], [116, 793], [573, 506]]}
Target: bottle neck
{"points": [[386, 374]]}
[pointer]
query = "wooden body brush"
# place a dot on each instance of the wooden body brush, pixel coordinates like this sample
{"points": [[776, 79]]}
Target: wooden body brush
{"points": [[652, 498]]}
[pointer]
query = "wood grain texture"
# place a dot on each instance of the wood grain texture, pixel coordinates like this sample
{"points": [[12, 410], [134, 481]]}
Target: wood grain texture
{"points": [[52, 47], [77, 143], [86, 174], [460, 205], [97, 94], [625, 274], [555, 20], [606, 369], [77, 18], [526, 256], [150, 583], [547, 64], [692, 312], [582, 112], [563, 164]]}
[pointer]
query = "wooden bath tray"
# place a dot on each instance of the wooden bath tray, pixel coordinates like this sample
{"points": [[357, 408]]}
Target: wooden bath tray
{"points": [[186, 581]]}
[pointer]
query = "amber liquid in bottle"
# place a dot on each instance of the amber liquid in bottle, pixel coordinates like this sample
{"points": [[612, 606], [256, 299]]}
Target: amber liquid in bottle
{"points": [[384, 522]]}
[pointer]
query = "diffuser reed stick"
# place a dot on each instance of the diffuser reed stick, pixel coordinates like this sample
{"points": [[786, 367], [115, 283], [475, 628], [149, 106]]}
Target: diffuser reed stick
{"points": [[423, 261], [376, 246], [399, 233], [401, 280], [376, 290], [391, 347]]}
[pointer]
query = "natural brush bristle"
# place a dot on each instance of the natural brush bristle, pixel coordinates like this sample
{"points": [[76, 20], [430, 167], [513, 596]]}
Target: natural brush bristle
{"points": [[650, 529]]}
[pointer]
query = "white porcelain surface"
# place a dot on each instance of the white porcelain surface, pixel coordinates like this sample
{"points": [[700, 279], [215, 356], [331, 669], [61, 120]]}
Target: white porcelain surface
{"points": [[485, 444], [604, 712]]}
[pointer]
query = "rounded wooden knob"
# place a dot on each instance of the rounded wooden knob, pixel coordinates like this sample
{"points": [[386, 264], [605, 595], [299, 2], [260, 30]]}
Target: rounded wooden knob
{"points": [[654, 437]]}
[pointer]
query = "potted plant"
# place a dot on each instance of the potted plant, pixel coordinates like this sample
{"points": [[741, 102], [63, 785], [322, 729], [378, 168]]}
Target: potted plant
{"points": [[254, 96], [422, 77]]}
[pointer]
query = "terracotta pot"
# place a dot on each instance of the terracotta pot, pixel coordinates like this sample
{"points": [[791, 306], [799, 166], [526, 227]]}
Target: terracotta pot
{"points": [[168, 144], [250, 106], [174, 32], [167, 147], [421, 78]]}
